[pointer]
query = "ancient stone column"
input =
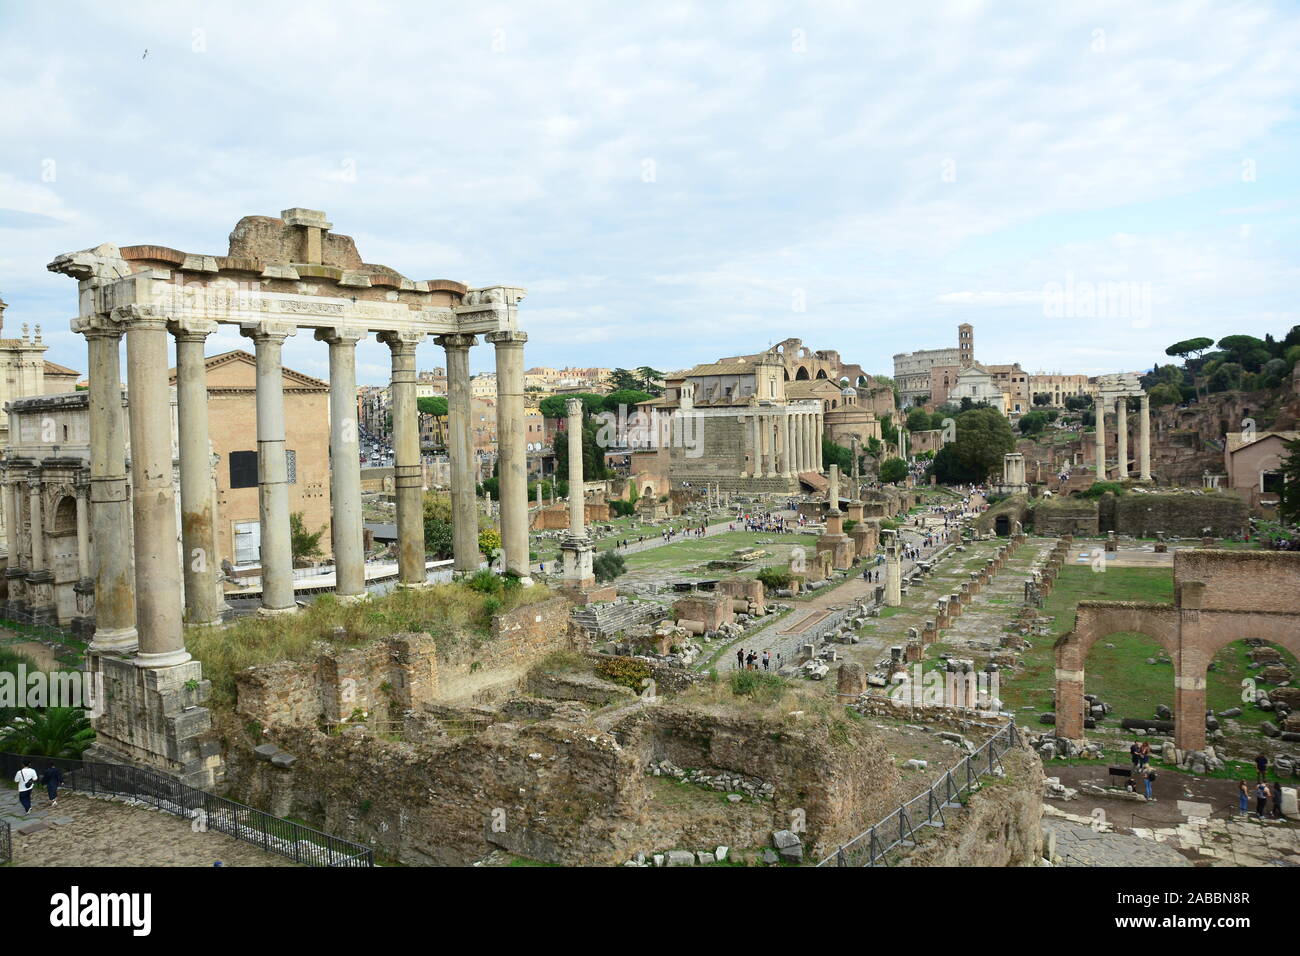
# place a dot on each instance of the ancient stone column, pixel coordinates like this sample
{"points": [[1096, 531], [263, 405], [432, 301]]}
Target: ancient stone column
{"points": [[408, 477], [153, 498], [893, 573], [1121, 435], [833, 495], [770, 435], [1144, 438], [787, 448], [797, 442], [272, 467], [1100, 406], [460, 454], [110, 510], [577, 493], [512, 454], [15, 573], [198, 521], [37, 523], [83, 530], [756, 439], [818, 428], [345, 464]]}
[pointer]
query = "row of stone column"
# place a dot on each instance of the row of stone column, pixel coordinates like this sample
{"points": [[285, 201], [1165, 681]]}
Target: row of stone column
{"points": [[1121, 429], [784, 443], [131, 612]]}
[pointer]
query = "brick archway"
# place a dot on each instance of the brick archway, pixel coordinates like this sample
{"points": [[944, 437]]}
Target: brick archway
{"points": [[1220, 597], [1095, 620]]}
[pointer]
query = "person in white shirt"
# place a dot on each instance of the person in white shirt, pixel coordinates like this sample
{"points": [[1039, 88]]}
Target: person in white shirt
{"points": [[26, 780]]}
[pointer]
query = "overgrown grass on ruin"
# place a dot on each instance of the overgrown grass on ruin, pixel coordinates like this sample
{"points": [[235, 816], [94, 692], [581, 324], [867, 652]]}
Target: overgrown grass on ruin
{"points": [[451, 613]]}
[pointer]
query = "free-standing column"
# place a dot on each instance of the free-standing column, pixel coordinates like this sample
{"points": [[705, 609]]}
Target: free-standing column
{"points": [[272, 466], [198, 522], [460, 454], [345, 464], [577, 490], [1121, 435], [408, 475], [110, 511], [511, 452], [1144, 438], [153, 499], [1101, 438]]}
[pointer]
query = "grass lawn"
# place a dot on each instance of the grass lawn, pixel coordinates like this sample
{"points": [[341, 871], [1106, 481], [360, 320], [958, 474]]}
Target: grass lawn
{"points": [[689, 552], [1120, 675]]}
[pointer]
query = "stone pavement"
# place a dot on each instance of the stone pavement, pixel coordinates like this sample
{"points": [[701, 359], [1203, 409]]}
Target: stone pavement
{"points": [[1201, 840], [85, 832]]}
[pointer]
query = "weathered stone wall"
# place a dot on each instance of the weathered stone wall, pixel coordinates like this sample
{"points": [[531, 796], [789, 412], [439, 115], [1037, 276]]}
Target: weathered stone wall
{"points": [[1065, 516], [403, 671], [1000, 825], [1179, 515]]}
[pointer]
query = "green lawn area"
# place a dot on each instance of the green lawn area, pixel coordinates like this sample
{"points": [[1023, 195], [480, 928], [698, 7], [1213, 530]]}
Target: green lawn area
{"points": [[628, 526], [1120, 675], [689, 552]]}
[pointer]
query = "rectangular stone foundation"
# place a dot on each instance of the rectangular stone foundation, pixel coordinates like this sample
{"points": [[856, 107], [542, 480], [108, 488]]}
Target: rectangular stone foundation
{"points": [[152, 718]]}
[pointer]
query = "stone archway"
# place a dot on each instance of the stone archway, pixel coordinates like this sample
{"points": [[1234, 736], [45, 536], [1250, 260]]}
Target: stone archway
{"points": [[1220, 597], [801, 374], [1096, 619]]}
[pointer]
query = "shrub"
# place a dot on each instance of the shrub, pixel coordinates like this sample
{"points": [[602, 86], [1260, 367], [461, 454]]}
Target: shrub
{"points": [[758, 685], [1100, 488], [625, 671], [608, 565], [485, 582], [774, 578]]}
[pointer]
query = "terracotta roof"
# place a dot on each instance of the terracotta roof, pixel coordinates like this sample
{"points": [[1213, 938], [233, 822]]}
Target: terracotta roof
{"points": [[720, 368], [52, 368]]}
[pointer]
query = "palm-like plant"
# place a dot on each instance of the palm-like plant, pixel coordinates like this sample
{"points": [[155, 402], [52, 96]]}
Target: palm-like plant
{"points": [[51, 732]]}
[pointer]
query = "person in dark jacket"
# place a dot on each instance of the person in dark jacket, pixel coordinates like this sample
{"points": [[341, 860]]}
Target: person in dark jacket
{"points": [[53, 779]]}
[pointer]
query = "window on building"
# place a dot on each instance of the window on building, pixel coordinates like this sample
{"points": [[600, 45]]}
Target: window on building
{"points": [[243, 468], [1271, 482], [248, 541]]}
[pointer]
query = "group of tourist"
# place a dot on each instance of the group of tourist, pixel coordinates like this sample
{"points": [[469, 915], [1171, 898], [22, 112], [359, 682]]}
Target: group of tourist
{"points": [[26, 778], [750, 660], [768, 522], [1263, 792]]}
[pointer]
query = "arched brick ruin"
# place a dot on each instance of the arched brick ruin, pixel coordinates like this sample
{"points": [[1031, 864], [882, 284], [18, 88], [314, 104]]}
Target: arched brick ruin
{"points": [[1219, 597]]}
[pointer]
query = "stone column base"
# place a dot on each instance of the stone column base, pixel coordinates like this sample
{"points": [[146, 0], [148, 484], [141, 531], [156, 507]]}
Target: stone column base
{"points": [[153, 718]]}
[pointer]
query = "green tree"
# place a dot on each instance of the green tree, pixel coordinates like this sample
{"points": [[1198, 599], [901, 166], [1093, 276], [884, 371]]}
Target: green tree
{"points": [[918, 420], [555, 406], [437, 525], [833, 454], [1165, 394], [983, 437], [52, 732], [626, 397], [304, 544], [608, 565], [893, 470], [623, 380], [651, 380], [1033, 423], [1288, 508]]}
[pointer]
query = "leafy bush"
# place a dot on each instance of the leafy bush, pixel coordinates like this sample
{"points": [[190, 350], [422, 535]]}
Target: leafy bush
{"points": [[608, 565], [622, 507], [625, 671], [485, 582], [774, 578], [1100, 488], [758, 685]]}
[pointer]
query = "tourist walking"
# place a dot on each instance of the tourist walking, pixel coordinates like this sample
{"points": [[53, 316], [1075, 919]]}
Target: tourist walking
{"points": [[53, 779], [1135, 754], [1261, 768], [1243, 798], [1144, 754], [1148, 779], [740, 656], [26, 780], [767, 660]]}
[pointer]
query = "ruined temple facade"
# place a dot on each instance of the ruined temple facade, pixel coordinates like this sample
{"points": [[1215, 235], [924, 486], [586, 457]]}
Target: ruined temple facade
{"points": [[279, 276]]}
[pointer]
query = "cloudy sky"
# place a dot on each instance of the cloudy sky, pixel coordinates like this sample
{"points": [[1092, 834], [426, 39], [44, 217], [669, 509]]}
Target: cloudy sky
{"points": [[673, 182]]}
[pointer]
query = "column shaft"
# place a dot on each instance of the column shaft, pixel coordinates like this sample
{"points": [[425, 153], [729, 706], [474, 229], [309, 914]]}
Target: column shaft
{"points": [[756, 440], [110, 509], [1144, 438], [83, 531], [460, 454], [407, 472], [153, 498], [577, 493], [511, 452], [1121, 436], [38, 525], [1101, 439], [345, 463], [198, 522], [273, 467]]}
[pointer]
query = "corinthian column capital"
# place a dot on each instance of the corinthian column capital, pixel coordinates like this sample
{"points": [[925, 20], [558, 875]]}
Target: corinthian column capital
{"points": [[341, 336], [267, 331], [191, 330], [140, 316], [401, 341], [506, 337]]}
